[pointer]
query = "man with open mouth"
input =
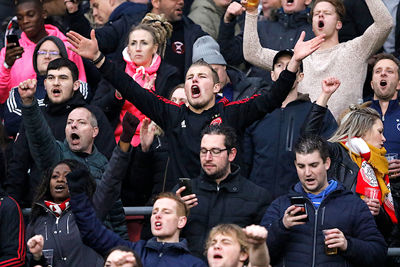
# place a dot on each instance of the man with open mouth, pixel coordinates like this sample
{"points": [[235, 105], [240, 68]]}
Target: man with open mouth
{"points": [[385, 83], [164, 249], [81, 129], [296, 221], [346, 61], [183, 124]]}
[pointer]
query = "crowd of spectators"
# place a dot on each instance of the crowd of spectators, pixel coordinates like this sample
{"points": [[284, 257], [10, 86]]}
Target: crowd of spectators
{"points": [[263, 134]]}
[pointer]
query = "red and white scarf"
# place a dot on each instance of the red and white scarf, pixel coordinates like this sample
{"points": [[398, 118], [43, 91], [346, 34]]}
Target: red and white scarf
{"points": [[373, 172], [58, 209]]}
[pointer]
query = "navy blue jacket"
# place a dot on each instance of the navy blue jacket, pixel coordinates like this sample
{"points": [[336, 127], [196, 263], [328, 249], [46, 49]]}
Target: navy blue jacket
{"points": [[268, 145], [152, 253], [112, 36], [303, 245], [182, 126], [391, 124]]}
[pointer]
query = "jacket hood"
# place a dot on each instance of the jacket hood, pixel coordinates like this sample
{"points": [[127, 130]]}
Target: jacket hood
{"points": [[57, 41]]}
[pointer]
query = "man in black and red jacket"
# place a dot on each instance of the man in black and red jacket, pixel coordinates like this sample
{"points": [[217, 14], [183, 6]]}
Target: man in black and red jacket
{"points": [[12, 232], [183, 124]]}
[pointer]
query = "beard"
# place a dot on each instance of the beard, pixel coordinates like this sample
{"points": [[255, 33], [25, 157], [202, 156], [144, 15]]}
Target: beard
{"points": [[218, 174]]}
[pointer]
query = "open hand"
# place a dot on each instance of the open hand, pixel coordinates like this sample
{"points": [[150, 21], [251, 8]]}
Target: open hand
{"points": [[87, 48], [302, 49], [146, 134]]}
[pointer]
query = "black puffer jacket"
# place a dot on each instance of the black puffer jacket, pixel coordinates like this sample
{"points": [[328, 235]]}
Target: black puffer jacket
{"points": [[234, 200]]}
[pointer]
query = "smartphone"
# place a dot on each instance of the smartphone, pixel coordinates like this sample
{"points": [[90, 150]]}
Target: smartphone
{"points": [[188, 184], [300, 201], [12, 38]]}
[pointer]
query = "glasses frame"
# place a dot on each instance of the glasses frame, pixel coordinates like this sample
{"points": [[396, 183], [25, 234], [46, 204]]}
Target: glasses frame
{"points": [[215, 152]]}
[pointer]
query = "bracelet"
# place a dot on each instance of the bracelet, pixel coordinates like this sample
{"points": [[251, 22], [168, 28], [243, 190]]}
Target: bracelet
{"points": [[6, 65], [97, 60]]}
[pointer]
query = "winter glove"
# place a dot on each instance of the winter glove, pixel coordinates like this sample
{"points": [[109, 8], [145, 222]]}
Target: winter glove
{"points": [[129, 125], [77, 181]]}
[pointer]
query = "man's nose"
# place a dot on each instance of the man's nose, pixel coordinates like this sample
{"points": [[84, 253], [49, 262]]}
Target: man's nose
{"points": [[208, 155]]}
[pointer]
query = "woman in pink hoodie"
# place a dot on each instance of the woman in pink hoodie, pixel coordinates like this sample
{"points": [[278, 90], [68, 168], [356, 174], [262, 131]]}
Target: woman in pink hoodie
{"points": [[16, 61]]}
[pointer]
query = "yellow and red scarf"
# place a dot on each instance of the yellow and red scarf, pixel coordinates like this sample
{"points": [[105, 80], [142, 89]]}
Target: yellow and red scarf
{"points": [[373, 172]]}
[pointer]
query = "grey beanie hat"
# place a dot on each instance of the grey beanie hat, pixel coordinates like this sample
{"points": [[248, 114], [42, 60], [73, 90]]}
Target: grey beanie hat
{"points": [[207, 48]]}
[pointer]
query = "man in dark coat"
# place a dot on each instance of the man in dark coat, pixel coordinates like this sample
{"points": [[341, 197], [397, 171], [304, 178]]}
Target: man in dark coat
{"points": [[220, 194], [59, 102], [268, 143], [320, 223], [183, 124]]}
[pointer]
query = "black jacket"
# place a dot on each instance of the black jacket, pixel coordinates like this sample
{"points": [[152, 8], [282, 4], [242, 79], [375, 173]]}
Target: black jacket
{"points": [[235, 200], [303, 245], [182, 126], [111, 37], [56, 117], [12, 232], [268, 145]]}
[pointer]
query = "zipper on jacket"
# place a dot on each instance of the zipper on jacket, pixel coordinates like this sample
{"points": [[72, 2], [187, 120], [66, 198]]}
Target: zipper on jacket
{"points": [[315, 235], [45, 229], [68, 223], [217, 187]]}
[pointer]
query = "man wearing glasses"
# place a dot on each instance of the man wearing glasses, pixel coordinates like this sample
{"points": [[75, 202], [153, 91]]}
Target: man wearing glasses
{"points": [[220, 194]]}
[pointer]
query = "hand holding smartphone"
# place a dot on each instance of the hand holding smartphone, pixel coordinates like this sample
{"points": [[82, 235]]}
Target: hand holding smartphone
{"points": [[300, 201], [186, 182]]}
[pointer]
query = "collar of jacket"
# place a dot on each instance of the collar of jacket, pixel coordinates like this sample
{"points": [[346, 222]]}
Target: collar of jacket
{"points": [[159, 246], [64, 108], [231, 183], [393, 106], [294, 20], [297, 190]]}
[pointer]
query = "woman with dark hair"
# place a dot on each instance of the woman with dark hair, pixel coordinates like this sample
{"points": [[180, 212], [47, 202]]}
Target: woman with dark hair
{"points": [[52, 218]]}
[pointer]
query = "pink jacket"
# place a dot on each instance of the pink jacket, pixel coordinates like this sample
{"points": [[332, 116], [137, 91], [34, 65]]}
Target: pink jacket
{"points": [[23, 67]]}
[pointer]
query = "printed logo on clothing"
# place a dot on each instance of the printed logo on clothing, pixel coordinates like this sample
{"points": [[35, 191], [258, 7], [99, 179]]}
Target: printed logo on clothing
{"points": [[398, 124], [216, 121], [178, 47], [183, 124]]}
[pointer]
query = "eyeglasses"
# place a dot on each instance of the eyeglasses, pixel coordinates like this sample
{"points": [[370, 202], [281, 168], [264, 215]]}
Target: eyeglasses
{"points": [[213, 151], [50, 53]]}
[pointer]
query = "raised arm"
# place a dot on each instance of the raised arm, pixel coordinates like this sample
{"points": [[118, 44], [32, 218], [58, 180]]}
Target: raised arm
{"points": [[258, 251], [109, 188], [153, 106], [253, 52], [376, 34], [43, 146]]}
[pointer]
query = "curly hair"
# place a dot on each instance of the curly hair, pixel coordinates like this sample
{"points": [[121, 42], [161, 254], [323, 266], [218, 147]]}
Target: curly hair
{"points": [[43, 190], [158, 27]]}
